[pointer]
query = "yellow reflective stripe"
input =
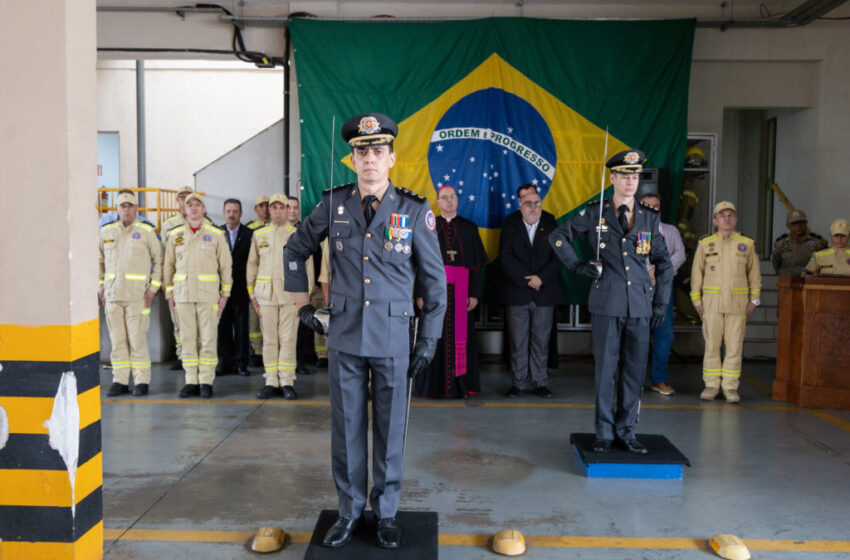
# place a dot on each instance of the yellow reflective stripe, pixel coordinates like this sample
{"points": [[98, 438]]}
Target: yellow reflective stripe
{"points": [[711, 372], [141, 364], [136, 277], [732, 373], [146, 311], [156, 283], [215, 307], [180, 277], [169, 289], [264, 279], [213, 229], [121, 364], [255, 335], [109, 275], [208, 277], [226, 287], [250, 290], [741, 290], [100, 282], [695, 296], [190, 362], [208, 362]]}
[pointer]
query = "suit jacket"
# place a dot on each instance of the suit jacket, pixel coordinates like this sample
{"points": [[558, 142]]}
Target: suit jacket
{"points": [[520, 258], [240, 251], [624, 289], [373, 269]]}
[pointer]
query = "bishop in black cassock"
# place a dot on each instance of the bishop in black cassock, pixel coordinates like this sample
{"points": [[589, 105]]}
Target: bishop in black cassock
{"points": [[454, 370]]}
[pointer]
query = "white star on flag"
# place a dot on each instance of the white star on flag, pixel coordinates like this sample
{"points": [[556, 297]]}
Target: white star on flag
{"points": [[446, 177], [504, 195], [510, 130], [513, 196], [454, 170], [534, 182], [508, 205], [544, 181], [460, 183], [485, 174], [472, 159], [439, 147], [496, 174], [504, 152], [439, 185], [472, 198]]}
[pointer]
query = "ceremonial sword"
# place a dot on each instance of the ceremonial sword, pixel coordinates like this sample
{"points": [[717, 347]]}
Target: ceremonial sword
{"points": [[323, 315], [598, 263]]}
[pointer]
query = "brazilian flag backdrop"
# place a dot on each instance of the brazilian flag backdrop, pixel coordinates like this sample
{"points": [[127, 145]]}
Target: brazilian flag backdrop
{"points": [[486, 105]]}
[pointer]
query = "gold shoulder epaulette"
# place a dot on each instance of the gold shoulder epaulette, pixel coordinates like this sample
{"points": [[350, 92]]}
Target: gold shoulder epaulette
{"points": [[650, 206], [213, 229], [409, 194], [339, 187]]}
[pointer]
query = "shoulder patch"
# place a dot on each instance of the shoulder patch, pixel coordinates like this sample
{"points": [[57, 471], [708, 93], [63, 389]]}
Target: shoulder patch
{"points": [[409, 194], [176, 230], [212, 228], [145, 227], [655, 209], [264, 229]]}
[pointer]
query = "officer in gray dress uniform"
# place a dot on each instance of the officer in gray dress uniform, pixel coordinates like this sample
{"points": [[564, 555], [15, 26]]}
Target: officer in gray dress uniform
{"points": [[622, 300], [379, 237]]}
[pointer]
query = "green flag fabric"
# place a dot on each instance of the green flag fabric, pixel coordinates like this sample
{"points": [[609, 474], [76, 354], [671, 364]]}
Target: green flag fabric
{"points": [[486, 105]]}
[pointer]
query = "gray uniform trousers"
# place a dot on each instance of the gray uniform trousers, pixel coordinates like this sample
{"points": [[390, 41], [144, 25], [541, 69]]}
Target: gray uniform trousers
{"points": [[348, 378], [620, 345], [529, 361]]}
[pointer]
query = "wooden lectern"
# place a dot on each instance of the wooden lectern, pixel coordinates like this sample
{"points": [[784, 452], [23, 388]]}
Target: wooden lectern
{"points": [[813, 348]]}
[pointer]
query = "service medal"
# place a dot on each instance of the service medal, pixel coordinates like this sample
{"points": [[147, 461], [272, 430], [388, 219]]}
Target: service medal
{"points": [[388, 246], [398, 247], [406, 250], [643, 243]]}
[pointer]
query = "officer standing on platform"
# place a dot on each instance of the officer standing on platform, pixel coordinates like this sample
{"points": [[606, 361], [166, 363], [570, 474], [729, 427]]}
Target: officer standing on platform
{"points": [[130, 261], [792, 252], [198, 278], [725, 289], [380, 236], [277, 312], [621, 298], [836, 259]]}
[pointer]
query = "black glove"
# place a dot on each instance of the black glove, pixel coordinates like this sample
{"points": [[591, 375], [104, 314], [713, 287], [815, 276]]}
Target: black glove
{"points": [[308, 319], [588, 269], [423, 353], [659, 313]]}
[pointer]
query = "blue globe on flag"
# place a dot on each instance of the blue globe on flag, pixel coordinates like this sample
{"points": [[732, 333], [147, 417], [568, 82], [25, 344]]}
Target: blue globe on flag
{"points": [[485, 146]]}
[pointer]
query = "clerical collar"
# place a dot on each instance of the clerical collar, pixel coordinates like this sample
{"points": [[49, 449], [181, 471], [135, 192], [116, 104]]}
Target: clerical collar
{"points": [[448, 219]]}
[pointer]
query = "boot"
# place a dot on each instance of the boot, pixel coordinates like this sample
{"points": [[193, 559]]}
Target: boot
{"points": [[709, 393]]}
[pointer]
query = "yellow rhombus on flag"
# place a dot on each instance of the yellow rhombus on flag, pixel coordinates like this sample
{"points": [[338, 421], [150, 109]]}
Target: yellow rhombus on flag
{"points": [[579, 144]]}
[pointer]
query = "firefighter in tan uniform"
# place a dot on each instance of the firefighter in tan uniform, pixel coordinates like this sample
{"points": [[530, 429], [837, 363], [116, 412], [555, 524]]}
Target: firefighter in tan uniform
{"points": [[835, 259], [320, 299], [725, 289], [174, 221], [278, 314], [198, 278], [255, 333], [130, 263]]}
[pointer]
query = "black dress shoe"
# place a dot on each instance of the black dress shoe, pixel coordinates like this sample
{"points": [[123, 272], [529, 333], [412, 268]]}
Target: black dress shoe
{"points": [[514, 391], [243, 371], [634, 446], [289, 393], [389, 533], [177, 366], [219, 370], [140, 390], [268, 392], [340, 532], [117, 389], [602, 446], [301, 370], [206, 391], [543, 392], [322, 363], [189, 390]]}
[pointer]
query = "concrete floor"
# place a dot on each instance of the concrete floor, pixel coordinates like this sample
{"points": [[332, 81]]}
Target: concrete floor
{"points": [[760, 470]]}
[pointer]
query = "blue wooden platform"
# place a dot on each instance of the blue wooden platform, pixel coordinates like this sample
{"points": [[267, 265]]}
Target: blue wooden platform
{"points": [[663, 461]]}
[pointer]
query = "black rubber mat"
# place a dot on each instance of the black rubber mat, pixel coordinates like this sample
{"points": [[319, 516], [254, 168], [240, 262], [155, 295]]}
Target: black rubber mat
{"points": [[661, 451], [419, 538]]}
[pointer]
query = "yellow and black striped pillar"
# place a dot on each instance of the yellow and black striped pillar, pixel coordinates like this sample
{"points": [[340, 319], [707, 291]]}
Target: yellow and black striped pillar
{"points": [[52, 411], [51, 502]]}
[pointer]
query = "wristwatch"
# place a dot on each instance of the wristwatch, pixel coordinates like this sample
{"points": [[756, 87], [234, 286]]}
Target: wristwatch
{"points": [[756, 302]]}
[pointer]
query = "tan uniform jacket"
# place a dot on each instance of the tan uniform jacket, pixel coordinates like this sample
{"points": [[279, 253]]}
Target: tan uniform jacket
{"points": [[830, 261], [198, 266], [130, 261], [256, 224], [265, 265], [725, 274]]}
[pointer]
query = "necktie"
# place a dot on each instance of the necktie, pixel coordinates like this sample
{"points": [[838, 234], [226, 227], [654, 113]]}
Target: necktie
{"points": [[624, 220], [368, 209]]}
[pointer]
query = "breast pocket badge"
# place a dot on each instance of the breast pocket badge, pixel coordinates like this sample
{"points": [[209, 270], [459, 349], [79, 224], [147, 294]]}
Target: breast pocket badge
{"points": [[644, 243]]}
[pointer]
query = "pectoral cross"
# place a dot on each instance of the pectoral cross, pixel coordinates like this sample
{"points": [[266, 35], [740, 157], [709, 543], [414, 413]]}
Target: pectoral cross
{"points": [[451, 255]]}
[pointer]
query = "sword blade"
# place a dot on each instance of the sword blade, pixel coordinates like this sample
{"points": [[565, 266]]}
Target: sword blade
{"points": [[601, 196]]}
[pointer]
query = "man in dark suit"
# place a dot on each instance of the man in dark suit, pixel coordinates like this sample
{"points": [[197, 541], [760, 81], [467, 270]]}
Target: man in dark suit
{"points": [[233, 341], [530, 291]]}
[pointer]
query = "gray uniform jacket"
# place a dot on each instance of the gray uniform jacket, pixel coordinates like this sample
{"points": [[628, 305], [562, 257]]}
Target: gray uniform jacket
{"points": [[371, 299], [624, 289]]}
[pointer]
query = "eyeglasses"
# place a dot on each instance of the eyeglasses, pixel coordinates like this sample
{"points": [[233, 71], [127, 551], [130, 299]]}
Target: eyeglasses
{"points": [[447, 197], [533, 203]]}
